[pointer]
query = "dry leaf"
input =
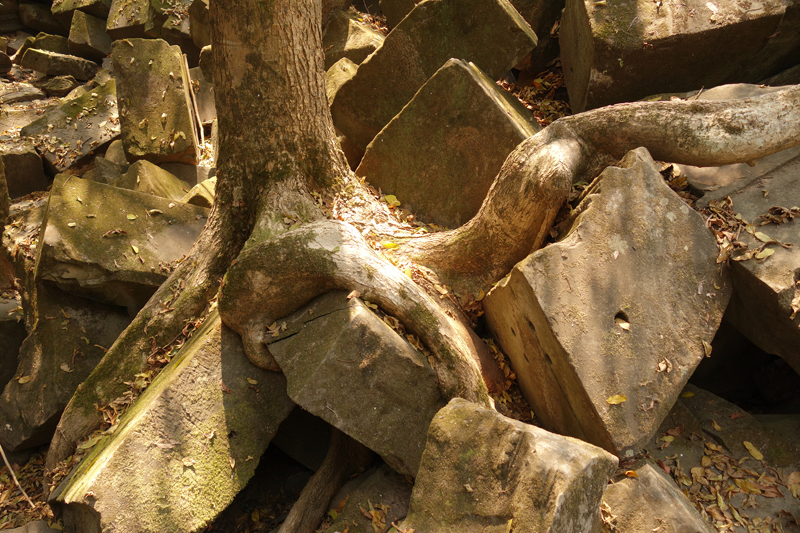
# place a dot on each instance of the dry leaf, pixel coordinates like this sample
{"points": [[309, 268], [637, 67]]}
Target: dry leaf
{"points": [[251, 381], [23, 380], [616, 399], [757, 455], [132, 217], [687, 394], [707, 349], [763, 254], [389, 244], [624, 324], [631, 473], [65, 367], [353, 294], [715, 425]]}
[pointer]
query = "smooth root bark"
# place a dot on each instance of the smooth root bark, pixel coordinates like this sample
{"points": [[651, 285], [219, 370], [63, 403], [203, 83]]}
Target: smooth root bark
{"points": [[537, 176], [273, 279], [345, 457]]}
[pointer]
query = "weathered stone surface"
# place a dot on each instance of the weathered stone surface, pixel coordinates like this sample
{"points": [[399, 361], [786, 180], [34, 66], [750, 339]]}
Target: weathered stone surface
{"points": [[17, 92], [199, 23], [63, 9], [790, 76], [156, 112], [59, 86], [5, 63], [605, 327], [346, 36], [623, 51], [490, 33], [24, 171], [76, 128], [380, 488], [130, 19], [115, 153], [143, 235], [54, 64], [185, 448], [377, 388], [62, 349], [51, 43], [763, 291], [651, 502], [39, 526], [441, 153], [202, 194], [12, 333], [105, 171], [88, 37], [483, 472], [38, 17], [144, 176], [191, 174], [396, 10]]}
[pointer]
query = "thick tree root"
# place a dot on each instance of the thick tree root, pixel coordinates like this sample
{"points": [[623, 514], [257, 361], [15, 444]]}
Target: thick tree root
{"points": [[275, 278], [537, 176], [345, 457]]}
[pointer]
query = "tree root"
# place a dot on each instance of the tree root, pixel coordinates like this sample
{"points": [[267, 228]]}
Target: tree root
{"points": [[537, 176], [275, 278], [345, 457]]}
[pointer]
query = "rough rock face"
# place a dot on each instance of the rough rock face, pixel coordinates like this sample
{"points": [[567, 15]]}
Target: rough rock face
{"points": [[623, 51], [190, 442], [144, 176], [346, 36], [491, 34], [112, 244], [605, 326], [88, 37], [483, 472], [651, 502], [156, 113], [76, 128], [129, 19], [436, 156], [346, 366], [68, 338], [24, 172], [54, 64]]}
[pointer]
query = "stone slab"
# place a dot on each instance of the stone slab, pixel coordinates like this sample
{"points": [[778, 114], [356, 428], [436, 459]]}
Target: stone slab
{"points": [[145, 177], [623, 51], [54, 64], [484, 473], [347, 36], [441, 153], [68, 338], [156, 113], [185, 448], [144, 234], [604, 327], [66, 135], [17, 92], [12, 333], [489, 33], [63, 9], [345, 365], [88, 37], [24, 170], [128, 19]]}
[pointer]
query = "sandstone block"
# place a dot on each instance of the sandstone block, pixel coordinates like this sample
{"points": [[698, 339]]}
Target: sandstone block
{"points": [[144, 176], [605, 326], [88, 37], [623, 51], [54, 64], [128, 19], [483, 472], [441, 153], [346, 36], [24, 171], [156, 114], [491, 34]]}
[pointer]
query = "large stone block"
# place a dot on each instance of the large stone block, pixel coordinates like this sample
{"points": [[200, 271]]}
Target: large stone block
{"points": [[24, 170], [144, 176], [54, 64], [490, 33], [112, 244], [65, 136], [623, 51], [346, 36], [483, 472], [185, 448], [88, 37], [345, 365], [156, 113], [64, 9], [605, 326], [130, 19], [12, 333], [68, 338], [441, 153]]}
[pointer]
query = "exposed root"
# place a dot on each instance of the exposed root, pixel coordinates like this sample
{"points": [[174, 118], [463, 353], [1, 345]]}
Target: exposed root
{"points": [[275, 278], [345, 457], [537, 176]]}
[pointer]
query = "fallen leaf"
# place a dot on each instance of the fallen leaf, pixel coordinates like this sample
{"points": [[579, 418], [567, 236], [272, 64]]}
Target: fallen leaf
{"points": [[353, 294], [251, 381], [763, 237], [757, 455], [687, 394], [135, 249], [668, 438], [89, 443], [707, 349], [132, 217], [675, 431], [72, 224], [188, 462], [715, 425], [631, 473], [65, 367], [23, 380], [763, 254], [469, 488], [616, 399], [624, 324], [389, 244]]}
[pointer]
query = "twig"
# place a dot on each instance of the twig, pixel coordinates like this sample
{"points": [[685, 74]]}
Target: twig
{"points": [[5, 460]]}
